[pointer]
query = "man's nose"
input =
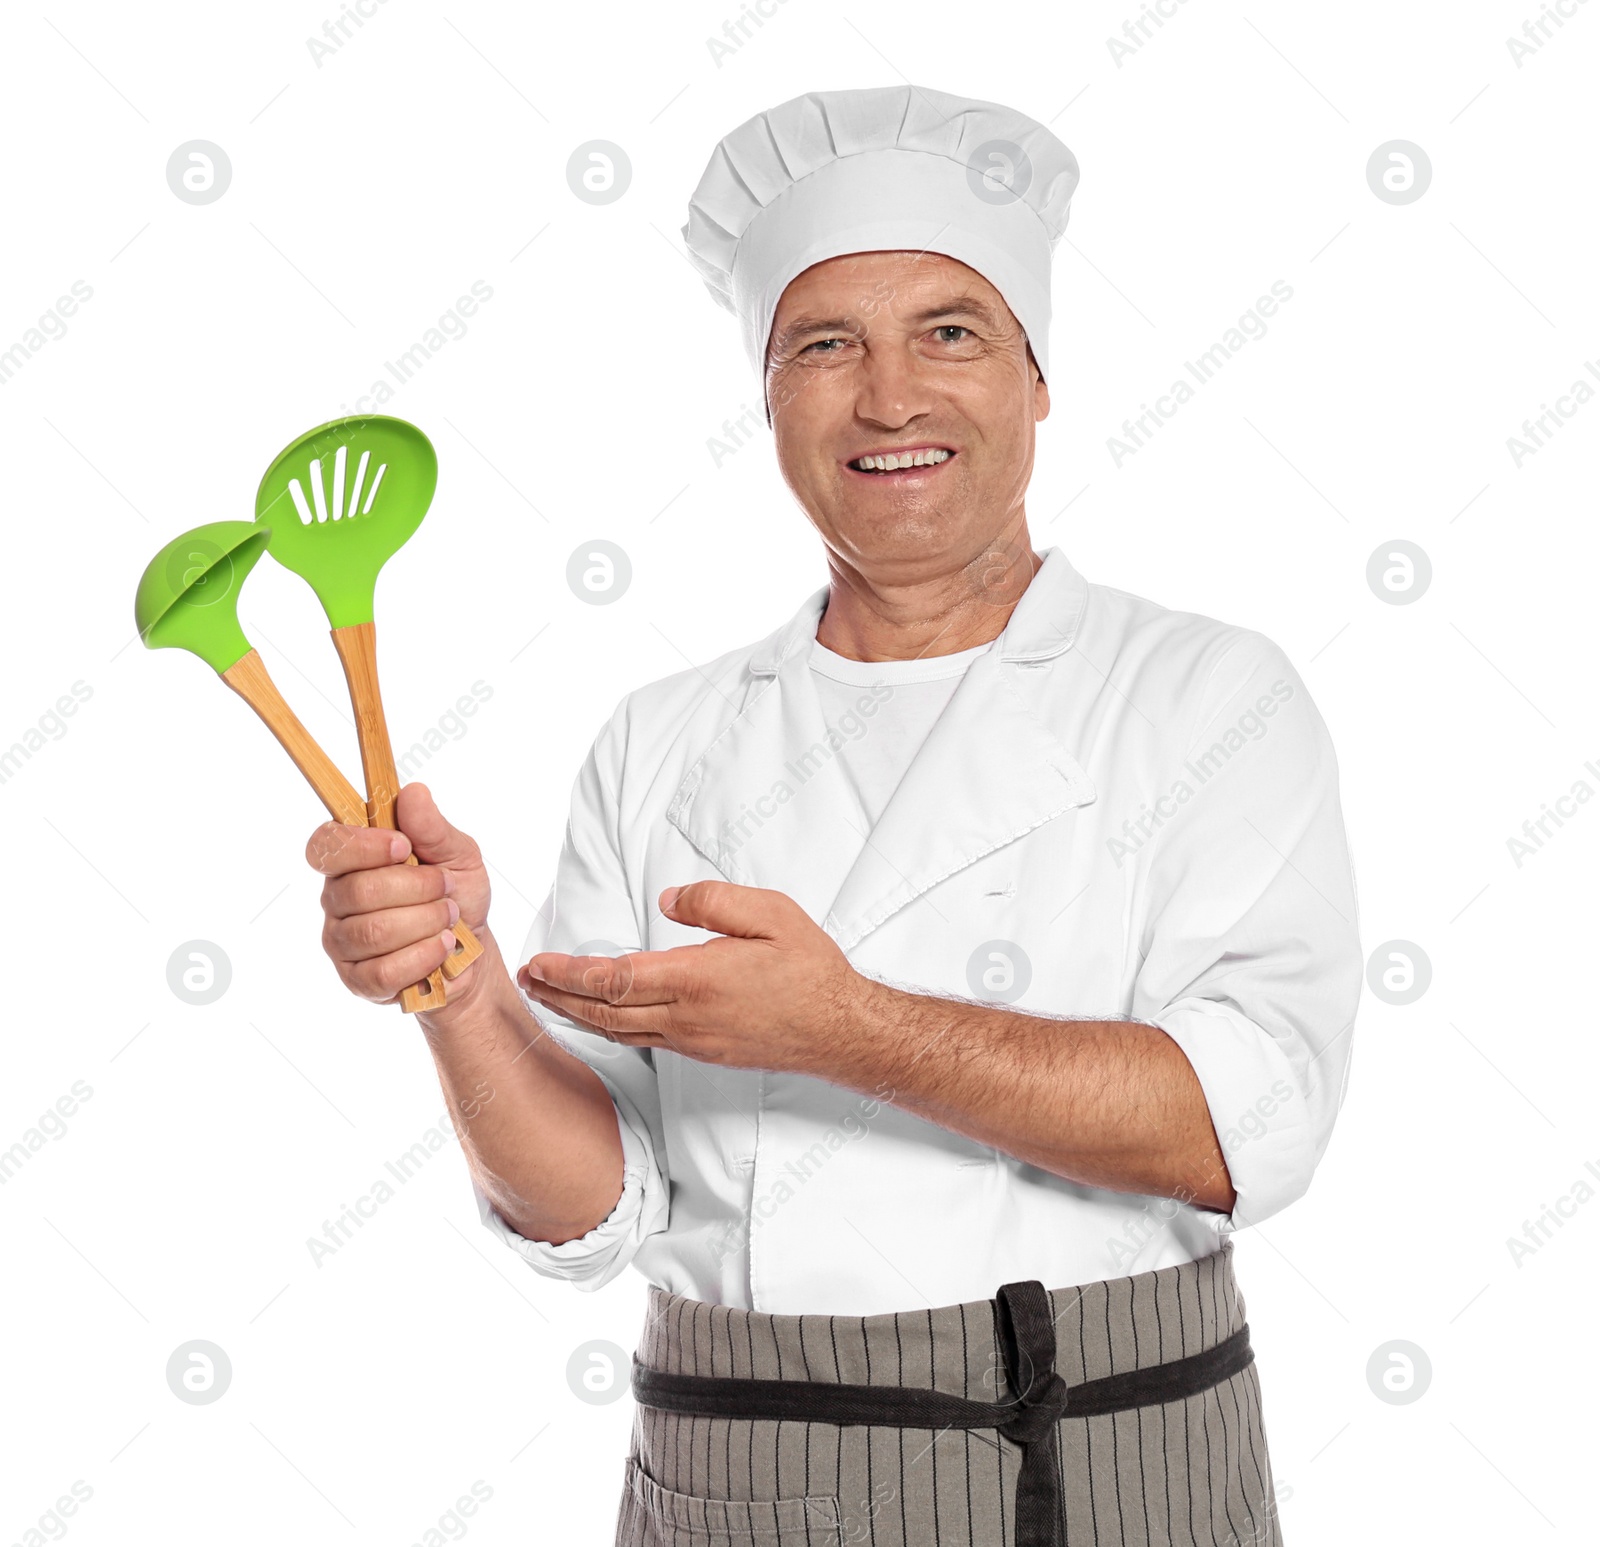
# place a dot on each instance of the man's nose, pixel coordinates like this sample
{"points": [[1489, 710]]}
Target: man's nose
{"points": [[892, 387]]}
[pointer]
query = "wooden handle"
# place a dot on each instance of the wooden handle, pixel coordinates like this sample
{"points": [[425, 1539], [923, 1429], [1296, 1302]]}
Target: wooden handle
{"points": [[248, 678], [358, 650], [357, 645]]}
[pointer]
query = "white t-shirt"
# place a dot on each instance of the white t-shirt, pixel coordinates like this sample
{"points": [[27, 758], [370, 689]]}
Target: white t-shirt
{"points": [[883, 711]]}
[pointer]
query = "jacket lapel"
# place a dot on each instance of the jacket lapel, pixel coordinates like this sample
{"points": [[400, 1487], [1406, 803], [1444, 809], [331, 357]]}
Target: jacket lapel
{"points": [[768, 805], [766, 802], [990, 771]]}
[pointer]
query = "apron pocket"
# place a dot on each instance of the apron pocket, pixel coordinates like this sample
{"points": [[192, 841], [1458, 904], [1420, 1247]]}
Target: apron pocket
{"points": [[688, 1520]]}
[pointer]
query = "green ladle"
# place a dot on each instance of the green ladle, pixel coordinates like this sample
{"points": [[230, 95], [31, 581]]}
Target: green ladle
{"points": [[188, 598]]}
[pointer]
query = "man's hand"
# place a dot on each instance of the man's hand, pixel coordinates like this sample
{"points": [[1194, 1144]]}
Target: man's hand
{"points": [[1112, 1104], [774, 992], [386, 923]]}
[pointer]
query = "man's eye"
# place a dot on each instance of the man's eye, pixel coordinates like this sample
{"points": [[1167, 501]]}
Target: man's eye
{"points": [[819, 343], [950, 327]]}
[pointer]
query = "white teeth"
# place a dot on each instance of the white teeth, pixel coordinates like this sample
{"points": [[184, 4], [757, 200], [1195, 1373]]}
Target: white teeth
{"points": [[903, 459]]}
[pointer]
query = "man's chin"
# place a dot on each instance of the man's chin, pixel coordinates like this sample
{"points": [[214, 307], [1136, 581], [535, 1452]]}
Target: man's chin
{"points": [[915, 536]]}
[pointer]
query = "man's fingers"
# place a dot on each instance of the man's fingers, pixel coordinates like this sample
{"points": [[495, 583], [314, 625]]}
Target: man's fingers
{"points": [[392, 886], [336, 848], [382, 978], [751, 912], [377, 934], [607, 1019], [641, 977]]}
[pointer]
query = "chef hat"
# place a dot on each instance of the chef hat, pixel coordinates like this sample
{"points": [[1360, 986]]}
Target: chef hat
{"points": [[877, 169]]}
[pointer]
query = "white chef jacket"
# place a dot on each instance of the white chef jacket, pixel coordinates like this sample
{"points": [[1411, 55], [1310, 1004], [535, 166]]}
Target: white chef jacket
{"points": [[1124, 812]]}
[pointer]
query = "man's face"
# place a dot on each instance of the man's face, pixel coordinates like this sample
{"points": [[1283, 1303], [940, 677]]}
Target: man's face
{"points": [[880, 352]]}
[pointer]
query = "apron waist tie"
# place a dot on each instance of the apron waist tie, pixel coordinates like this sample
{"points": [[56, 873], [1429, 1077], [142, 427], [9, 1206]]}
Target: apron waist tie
{"points": [[1028, 1417]]}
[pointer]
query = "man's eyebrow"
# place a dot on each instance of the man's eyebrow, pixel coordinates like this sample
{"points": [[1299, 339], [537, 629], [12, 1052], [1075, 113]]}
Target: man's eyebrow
{"points": [[816, 325], [965, 307]]}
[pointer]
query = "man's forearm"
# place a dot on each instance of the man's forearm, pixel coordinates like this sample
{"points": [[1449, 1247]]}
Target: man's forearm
{"points": [[1112, 1104], [537, 1126]]}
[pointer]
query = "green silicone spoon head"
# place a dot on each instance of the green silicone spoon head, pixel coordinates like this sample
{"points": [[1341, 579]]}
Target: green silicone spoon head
{"points": [[340, 500], [188, 596]]}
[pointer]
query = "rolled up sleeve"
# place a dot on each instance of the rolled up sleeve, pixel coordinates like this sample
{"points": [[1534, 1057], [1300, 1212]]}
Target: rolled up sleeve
{"points": [[588, 1261], [1251, 955], [590, 911]]}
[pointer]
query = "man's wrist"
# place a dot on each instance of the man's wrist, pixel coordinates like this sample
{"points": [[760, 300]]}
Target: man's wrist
{"points": [[487, 982], [870, 1021]]}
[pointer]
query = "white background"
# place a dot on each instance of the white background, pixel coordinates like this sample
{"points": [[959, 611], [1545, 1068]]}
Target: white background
{"points": [[429, 152]]}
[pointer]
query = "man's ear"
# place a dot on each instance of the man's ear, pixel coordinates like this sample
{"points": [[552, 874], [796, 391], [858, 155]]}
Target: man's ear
{"points": [[1041, 390]]}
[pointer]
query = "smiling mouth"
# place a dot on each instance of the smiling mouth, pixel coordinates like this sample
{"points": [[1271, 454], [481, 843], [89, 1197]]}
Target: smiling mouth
{"points": [[918, 464]]}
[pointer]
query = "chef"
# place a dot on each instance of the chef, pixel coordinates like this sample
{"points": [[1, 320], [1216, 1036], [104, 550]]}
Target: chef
{"points": [[929, 990]]}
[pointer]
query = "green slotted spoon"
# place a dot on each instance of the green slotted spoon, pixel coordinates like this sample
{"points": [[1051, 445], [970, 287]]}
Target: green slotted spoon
{"points": [[338, 502]]}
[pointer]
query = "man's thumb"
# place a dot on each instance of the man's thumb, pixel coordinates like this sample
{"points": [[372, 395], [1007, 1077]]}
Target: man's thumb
{"points": [[433, 840], [750, 912]]}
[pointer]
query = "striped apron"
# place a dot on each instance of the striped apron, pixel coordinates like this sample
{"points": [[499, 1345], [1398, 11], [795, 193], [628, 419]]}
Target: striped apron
{"points": [[1127, 1410]]}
